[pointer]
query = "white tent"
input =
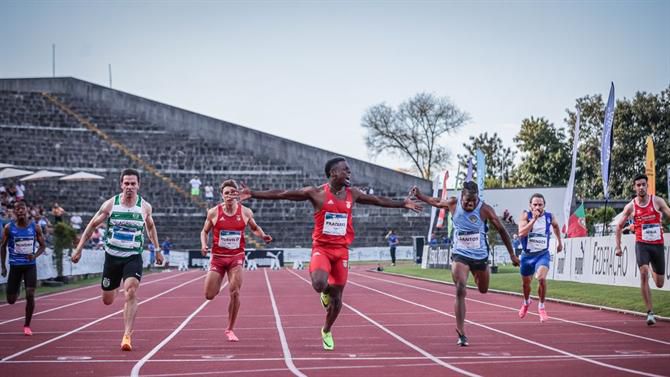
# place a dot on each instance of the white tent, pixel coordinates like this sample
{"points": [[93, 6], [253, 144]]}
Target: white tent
{"points": [[81, 176], [11, 173], [42, 174], [3, 165]]}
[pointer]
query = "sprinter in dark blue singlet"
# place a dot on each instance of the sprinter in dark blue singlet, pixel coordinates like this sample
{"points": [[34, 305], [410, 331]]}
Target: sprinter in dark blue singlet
{"points": [[19, 238]]}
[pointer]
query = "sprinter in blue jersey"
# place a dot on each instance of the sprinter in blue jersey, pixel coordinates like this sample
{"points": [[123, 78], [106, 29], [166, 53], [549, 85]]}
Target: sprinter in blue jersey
{"points": [[535, 230], [19, 238], [471, 250]]}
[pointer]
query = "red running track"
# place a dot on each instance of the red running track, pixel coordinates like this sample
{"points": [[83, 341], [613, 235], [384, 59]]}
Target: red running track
{"points": [[390, 326]]}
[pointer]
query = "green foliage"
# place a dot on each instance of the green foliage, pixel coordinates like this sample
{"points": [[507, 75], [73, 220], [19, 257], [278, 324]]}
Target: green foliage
{"points": [[508, 279], [600, 215], [545, 159], [499, 160], [634, 119], [413, 130], [64, 237]]}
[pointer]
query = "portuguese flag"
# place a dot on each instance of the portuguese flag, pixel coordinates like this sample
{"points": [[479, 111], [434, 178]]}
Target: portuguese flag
{"points": [[577, 223]]}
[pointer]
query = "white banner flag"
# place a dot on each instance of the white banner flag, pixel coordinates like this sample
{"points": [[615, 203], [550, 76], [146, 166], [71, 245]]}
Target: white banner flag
{"points": [[567, 201]]}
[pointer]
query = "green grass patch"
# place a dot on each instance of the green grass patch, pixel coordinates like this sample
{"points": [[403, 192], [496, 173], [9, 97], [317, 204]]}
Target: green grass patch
{"points": [[508, 279]]}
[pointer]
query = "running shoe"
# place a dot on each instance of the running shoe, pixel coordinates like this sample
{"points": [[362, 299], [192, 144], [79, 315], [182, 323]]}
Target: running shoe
{"points": [[325, 300], [328, 342], [125, 343], [543, 315], [27, 331], [231, 336], [462, 339], [524, 309], [650, 318]]}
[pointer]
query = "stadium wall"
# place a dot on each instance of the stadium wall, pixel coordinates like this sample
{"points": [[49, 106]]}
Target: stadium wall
{"points": [[259, 143]]}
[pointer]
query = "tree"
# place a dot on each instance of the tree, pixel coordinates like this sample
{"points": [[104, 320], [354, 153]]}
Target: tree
{"points": [[64, 236], [545, 159], [499, 160], [413, 130], [634, 119]]}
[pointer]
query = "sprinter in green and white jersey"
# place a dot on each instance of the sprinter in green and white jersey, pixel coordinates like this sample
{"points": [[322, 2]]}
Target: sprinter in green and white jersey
{"points": [[127, 216]]}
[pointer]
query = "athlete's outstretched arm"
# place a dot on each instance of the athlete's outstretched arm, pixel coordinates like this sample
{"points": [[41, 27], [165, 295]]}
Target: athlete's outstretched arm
{"points": [[627, 211], [435, 202], [380, 201], [96, 221], [490, 214], [3, 249], [206, 228], [151, 231], [305, 193]]}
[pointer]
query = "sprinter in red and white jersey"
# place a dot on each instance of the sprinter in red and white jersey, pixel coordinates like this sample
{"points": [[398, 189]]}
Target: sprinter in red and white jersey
{"points": [[647, 211], [228, 220], [333, 232]]}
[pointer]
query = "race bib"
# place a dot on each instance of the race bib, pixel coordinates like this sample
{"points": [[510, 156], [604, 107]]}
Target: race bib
{"points": [[651, 232], [469, 240], [335, 224], [537, 242], [230, 239], [123, 238], [24, 246]]}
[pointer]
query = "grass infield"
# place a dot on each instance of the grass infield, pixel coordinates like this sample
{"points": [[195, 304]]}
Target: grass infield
{"points": [[508, 279]]}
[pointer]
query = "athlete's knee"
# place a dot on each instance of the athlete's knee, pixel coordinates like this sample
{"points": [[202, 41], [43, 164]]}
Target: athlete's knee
{"points": [[108, 300], [235, 294], [483, 289], [660, 281], [11, 299], [209, 295], [461, 289], [30, 294], [131, 293], [319, 285]]}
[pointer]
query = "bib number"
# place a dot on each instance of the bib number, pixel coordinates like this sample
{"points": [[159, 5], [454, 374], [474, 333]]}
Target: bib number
{"points": [[230, 239], [537, 242], [651, 232], [335, 224], [123, 238], [469, 240], [24, 247]]}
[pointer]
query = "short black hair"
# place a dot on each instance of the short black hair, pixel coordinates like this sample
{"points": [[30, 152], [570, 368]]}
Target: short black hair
{"points": [[332, 162], [20, 203], [640, 176], [471, 188], [537, 195], [130, 172]]}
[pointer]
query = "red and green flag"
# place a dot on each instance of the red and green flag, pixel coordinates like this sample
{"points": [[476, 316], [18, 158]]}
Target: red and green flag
{"points": [[577, 223]]}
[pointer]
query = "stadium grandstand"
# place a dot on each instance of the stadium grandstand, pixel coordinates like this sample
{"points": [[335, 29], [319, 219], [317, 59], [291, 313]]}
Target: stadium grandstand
{"points": [[67, 125]]}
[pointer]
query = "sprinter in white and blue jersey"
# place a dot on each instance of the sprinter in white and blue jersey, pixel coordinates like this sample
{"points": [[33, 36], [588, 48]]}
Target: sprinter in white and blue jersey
{"points": [[535, 230], [471, 249], [19, 238]]}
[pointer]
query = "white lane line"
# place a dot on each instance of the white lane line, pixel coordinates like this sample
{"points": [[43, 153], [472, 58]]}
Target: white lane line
{"points": [[50, 295], [94, 322], [456, 359], [79, 302], [511, 335], [282, 337], [513, 309], [136, 368], [418, 349]]}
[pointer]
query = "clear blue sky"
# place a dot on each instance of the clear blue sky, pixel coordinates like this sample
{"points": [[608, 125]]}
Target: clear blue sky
{"points": [[307, 70]]}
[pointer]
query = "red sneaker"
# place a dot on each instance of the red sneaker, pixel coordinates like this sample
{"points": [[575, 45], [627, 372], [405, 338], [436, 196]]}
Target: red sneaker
{"points": [[231, 336], [524, 310], [543, 315]]}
